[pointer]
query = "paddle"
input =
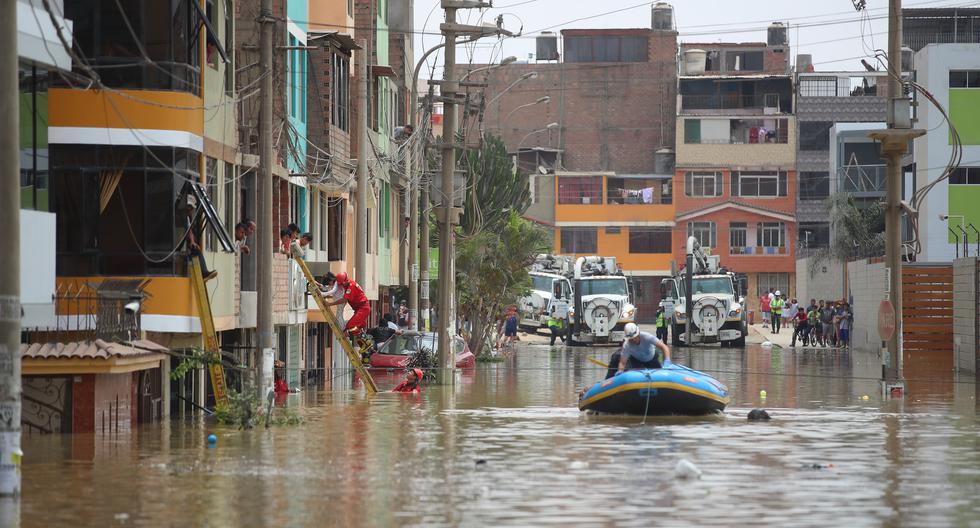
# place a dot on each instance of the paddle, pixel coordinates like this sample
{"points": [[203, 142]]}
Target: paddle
{"points": [[597, 362]]}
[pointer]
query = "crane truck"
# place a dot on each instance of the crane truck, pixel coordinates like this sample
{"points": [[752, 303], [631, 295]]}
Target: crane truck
{"points": [[603, 301], [551, 290], [705, 303]]}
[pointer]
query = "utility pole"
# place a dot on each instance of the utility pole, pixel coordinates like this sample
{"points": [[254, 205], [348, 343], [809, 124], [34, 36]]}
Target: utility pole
{"points": [[413, 216], [447, 283], [894, 144], [10, 310], [267, 157], [361, 238]]}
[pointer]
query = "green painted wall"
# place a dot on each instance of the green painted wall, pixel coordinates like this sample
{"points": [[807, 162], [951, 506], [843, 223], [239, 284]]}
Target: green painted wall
{"points": [[964, 110], [963, 200]]}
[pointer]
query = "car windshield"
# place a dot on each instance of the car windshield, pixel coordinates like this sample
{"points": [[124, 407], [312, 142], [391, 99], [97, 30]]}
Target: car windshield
{"points": [[708, 285], [541, 283], [612, 286]]}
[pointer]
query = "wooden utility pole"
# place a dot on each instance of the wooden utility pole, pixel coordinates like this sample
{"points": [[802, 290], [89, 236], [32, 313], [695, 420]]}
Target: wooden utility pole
{"points": [[267, 159], [10, 311]]}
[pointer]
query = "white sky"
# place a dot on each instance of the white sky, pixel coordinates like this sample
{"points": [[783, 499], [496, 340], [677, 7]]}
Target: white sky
{"points": [[830, 30]]}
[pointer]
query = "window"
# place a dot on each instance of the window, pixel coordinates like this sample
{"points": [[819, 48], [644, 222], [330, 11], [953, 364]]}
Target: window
{"points": [[229, 47], [296, 205], [578, 240], [964, 79], [814, 234], [323, 226], [703, 231], [650, 239], [775, 281], [743, 61], [814, 185], [815, 135], [818, 86], [692, 131], [770, 234], [613, 230], [738, 237], [638, 191], [767, 184], [340, 91], [965, 176], [604, 48], [579, 189], [336, 223], [702, 184]]}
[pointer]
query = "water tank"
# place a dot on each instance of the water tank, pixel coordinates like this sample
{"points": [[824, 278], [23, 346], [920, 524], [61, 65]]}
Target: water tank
{"points": [[663, 161], [694, 61], [546, 46], [804, 62], [663, 17], [777, 34]]}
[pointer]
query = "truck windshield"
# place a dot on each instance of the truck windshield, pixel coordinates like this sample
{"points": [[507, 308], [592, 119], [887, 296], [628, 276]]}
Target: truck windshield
{"points": [[541, 283], [707, 285], [603, 286]]}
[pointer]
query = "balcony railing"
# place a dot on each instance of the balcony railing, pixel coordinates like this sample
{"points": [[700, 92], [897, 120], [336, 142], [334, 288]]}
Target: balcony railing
{"points": [[862, 180], [758, 250], [868, 84], [729, 102]]}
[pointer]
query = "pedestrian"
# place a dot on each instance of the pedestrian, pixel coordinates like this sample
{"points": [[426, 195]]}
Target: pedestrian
{"points": [[777, 304], [764, 305], [845, 325], [813, 320], [510, 326], [800, 327], [556, 326], [403, 315], [639, 351], [788, 315], [293, 231], [827, 314], [661, 324]]}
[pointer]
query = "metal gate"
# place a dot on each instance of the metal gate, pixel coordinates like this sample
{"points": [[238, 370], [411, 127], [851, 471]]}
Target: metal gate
{"points": [[927, 313]]}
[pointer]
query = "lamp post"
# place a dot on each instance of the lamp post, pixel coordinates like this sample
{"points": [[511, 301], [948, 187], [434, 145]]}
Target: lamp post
{"points": [[541, 100], [503, 62], [551, 126]]}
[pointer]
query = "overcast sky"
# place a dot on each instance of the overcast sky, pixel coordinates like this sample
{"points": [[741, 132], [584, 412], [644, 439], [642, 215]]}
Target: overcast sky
{"points": [[830, 30]]}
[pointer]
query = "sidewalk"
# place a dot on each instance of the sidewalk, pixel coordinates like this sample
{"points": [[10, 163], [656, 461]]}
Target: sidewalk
{"points": [[758, 334]]}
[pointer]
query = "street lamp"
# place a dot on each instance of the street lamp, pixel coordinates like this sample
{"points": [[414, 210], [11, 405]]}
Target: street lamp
{"points": [[504, 62], [551, 126], [541, 100], [522, 78]]}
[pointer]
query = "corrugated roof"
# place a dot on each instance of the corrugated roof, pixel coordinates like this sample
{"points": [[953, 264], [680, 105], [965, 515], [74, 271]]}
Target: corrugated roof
{"points": [[97, 349]]}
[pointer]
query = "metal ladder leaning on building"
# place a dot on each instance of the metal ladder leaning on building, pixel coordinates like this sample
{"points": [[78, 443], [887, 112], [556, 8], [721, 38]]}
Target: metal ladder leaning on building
{"points": [[211, 349], [353, 355]]}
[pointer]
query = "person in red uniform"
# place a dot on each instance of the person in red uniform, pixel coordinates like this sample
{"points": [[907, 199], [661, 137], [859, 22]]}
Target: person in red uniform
{"points": [[354, 296], [412, 383]]}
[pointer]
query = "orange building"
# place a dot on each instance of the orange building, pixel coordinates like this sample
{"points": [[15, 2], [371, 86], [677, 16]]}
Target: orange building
{"points": [[630, 217]]}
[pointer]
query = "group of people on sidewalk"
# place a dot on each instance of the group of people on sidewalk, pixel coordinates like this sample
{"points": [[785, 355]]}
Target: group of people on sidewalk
{"points": [[826, 323]]}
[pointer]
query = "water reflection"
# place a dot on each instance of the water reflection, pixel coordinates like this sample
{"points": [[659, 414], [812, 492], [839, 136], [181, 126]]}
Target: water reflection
{"points": [[508, 446]]}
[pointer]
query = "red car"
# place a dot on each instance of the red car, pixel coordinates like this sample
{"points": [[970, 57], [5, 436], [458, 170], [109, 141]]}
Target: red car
{"points": [[396, 352]]}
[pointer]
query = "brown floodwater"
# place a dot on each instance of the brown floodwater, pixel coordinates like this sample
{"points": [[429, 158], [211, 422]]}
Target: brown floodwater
{"points": [[507, 446]]}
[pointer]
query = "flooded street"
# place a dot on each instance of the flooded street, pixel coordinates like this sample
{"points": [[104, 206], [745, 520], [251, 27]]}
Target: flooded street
{"points": [[509, 447]]}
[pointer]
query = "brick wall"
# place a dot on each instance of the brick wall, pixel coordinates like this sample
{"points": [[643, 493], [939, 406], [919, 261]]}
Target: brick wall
{"points": [[965, 314], [320, 129], [280, 284], [612, 116]]}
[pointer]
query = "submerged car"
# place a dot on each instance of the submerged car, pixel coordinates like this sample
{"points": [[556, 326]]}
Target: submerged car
{"points": [[396, 352]]}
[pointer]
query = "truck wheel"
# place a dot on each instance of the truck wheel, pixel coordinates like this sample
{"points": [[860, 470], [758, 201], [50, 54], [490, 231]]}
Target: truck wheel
{"points": [[738, 343]]}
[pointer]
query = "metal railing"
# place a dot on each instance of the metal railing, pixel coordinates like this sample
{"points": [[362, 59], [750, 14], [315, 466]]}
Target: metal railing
{"points": [[868, 84], [868, 180], [759, 250]]}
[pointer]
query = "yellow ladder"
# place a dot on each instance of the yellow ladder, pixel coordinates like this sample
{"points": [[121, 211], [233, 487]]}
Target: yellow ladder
{"points": [[353, 355], [211, 348]]}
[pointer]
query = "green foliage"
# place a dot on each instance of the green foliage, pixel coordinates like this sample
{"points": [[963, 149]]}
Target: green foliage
{"points": [[426, 360], [857, 227], [195, 359], [495, 188], [245, 410]]}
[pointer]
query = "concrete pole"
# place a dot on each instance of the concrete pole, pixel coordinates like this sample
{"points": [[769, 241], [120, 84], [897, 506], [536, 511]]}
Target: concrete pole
{"points": [[10, 453], [424, 236], [362, 234], [413, 222], [267, 158], [447, 286], [893, 210]]}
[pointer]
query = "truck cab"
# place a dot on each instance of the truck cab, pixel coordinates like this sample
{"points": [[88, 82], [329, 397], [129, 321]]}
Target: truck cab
{"points": [[551, 290], [603, 301]]}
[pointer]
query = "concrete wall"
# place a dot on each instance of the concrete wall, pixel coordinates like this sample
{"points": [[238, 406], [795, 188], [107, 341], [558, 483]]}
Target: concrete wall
{"points": [[965, 314], [867, 290], [825, 281]]}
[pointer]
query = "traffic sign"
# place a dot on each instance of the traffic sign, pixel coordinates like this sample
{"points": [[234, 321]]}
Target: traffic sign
{"points": [[886, 320]]}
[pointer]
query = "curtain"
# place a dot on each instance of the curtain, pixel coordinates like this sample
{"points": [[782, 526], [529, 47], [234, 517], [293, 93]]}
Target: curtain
{"points": [[108, 182]]}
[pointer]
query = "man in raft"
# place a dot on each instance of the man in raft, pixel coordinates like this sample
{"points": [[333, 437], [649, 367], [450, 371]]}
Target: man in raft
{"points": [[639, 352]]}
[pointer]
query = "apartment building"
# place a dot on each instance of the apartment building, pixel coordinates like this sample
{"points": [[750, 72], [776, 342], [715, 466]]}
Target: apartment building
{"points": [[736, 158], [591, 120]]}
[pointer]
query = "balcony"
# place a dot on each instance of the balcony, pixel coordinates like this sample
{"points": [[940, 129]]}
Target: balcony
{"points": [[842, 85], [761, 95], [863, 181], [601, 199], [759, 250], [730, 102], [725, 142]]}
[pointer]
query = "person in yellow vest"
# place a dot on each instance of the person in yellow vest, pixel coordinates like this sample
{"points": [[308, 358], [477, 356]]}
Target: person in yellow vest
{"points": [[777, 304], [661, 324], [556, 326]]}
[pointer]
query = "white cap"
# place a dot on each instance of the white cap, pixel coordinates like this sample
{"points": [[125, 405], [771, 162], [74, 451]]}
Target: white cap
{"points": [[777, 293], [631, 330]]}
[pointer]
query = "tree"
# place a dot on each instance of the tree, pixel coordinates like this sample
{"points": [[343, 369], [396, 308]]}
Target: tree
{"points": [[858, 229], [493, 187], [492, 270]]}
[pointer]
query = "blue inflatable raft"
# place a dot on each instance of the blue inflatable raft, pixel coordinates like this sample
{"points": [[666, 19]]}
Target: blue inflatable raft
{"points": [[674, 389]]}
